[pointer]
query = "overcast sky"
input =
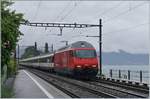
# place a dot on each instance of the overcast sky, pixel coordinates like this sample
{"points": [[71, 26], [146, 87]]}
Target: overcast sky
{"points": [[125, 23]]}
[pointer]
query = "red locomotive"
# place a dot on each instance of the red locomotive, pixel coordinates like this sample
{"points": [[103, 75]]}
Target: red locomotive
{"points": [[77, 59]]}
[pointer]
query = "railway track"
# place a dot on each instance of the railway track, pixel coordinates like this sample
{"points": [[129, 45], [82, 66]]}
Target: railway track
{"points": [[71, 88], [87, 89], [119, 91], [132, 87]]}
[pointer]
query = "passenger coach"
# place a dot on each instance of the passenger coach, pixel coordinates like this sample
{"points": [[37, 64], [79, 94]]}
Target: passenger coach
{"points": [[44, 62]]}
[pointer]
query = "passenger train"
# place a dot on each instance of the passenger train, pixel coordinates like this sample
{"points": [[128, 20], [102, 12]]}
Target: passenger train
{"points": [[78, 59]]}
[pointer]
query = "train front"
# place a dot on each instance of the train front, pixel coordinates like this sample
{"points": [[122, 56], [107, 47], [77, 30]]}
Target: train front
{"points": [[85, 61]]}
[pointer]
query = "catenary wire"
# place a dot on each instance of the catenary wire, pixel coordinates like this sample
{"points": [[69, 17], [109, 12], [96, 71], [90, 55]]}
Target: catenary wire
{"points": [[129, 28], [123, 13]]}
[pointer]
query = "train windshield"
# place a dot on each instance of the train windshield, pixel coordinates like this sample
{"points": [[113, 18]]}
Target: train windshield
{"points": [[85, 53]]}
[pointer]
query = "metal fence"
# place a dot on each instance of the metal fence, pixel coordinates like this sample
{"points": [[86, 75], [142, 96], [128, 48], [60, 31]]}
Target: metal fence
{"points": [[138, 76]]}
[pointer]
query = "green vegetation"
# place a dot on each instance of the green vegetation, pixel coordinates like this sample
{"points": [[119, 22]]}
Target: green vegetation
{"points": [[11, 68], [10, 22], [30, 52], [6, 92], [10, 32]]}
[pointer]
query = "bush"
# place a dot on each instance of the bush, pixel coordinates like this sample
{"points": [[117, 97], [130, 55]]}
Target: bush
{"points": [[10, 23], [11, 68], [6, 92]]}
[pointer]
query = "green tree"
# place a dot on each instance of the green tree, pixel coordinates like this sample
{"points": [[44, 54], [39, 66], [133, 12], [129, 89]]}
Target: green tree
{"points": [[31, 52], [10, 31]]}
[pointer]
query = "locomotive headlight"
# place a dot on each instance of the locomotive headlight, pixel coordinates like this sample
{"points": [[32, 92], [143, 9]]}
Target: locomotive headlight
{"points": [[93, 65], [78, 66]]}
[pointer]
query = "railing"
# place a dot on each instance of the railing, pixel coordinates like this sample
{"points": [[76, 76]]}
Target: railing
{"points": [[138, 76]]}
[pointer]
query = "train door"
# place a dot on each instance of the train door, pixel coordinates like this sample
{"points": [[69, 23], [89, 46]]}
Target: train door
{"points": [[70, 58], [64, 59]]}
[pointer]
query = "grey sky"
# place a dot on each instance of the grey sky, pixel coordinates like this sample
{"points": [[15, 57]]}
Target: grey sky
{"points": [[125, 23]]}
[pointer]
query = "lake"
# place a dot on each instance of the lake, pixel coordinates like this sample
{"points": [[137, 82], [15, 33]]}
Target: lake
{"points": [[134, 71]]}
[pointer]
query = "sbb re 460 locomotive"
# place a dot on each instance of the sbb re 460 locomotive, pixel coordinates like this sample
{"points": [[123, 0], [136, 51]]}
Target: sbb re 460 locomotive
{"points": [[77, 59]]}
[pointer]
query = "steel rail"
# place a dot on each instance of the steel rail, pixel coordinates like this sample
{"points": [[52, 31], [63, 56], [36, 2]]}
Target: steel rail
{"points": [[141, 89], [58, 87], [104, 90], [93, 91], [120, 90]]}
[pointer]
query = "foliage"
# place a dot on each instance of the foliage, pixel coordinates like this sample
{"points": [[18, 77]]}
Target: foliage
{"points": [[30, 52], [11, 67], [6, 92], [10, 31]]}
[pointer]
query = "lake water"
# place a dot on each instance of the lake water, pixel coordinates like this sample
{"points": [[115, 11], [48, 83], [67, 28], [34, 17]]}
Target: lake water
{"points": [[134, 71]]}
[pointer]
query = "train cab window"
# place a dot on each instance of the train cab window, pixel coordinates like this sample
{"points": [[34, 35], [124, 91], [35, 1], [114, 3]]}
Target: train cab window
{"points": [[85, 53]]}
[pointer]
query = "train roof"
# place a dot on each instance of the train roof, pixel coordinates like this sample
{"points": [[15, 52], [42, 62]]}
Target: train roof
{"points": [[37, 57], [79, 44]]}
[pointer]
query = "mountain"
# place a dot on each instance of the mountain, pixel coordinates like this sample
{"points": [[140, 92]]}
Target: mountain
{"points": [[124, 58]]}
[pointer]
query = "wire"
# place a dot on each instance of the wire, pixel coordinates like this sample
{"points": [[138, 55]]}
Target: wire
{"points": [[69, 12], [59, 15], [63, 10], [125, 29], [110, 9], [123, 13], [36, 13]]}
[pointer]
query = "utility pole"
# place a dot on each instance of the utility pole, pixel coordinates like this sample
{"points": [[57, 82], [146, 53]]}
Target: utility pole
{"points": [[100, 45], [15, 59], [46, 48], [52, 48], [35, 46], [18, 56]]}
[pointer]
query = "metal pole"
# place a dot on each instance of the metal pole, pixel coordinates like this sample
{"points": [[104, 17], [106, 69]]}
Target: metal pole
{"points": [[52, 48], [111, 73], [15, 60], [140, 76], [119, 73], [18, 56], [66, 43], [100, 46], [128, 74]]}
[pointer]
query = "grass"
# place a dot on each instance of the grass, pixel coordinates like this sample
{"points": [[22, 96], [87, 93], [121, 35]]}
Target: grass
{"points": [[6, 92]]}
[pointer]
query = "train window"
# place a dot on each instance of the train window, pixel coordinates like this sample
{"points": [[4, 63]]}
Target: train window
{"points": [[52, 59], [85, 53], [71, 53], [48, 60]]}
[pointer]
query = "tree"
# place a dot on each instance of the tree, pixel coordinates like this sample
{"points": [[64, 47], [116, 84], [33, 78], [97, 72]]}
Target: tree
{"points": [[10, 31], [31, 52], [46, 48]]}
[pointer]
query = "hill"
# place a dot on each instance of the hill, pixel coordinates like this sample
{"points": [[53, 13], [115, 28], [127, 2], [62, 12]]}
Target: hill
{"points": [[124, 58]]}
